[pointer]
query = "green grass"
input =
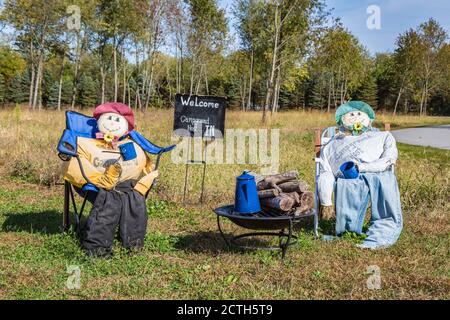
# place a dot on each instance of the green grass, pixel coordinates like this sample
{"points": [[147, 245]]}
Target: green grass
{"points": [[178, 262], [184, 256]]}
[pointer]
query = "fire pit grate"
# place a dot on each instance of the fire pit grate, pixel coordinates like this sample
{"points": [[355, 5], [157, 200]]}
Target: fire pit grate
{"points": [[263, 220]]}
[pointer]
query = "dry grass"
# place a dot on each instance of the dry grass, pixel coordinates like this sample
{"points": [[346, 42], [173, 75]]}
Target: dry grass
{"points": [[28, 149], [184, 256]]}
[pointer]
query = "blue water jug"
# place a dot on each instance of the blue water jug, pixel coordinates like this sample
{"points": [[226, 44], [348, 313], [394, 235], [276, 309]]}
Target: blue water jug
{"points": [[246, 199]]}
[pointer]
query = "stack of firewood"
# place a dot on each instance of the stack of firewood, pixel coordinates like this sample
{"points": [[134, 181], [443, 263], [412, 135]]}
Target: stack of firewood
{"points": [[285, 193]]}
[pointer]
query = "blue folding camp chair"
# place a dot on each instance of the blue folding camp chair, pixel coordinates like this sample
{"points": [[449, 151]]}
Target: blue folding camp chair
{"points": [[80, 125], [321, 139]]}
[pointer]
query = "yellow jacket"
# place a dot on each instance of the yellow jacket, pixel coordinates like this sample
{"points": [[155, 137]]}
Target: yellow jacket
{"points": [[105, 167]]}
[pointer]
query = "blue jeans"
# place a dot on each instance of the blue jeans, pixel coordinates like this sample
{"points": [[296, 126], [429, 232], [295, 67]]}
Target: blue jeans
{"points": [[352, 198]]}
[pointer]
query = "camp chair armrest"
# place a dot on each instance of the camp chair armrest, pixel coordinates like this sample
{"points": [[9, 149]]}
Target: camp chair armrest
{"points": [[168, 148], [67, 144], [148, 146]]}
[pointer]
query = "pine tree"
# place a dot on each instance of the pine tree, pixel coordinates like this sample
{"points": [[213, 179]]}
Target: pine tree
{"points": [[88, 91], [367, 92], [317, 98], [66, 91], [17, 89], [53, 95], [47, 87]]}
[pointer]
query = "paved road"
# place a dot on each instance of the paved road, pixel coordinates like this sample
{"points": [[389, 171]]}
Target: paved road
{"points": [[434, 136]]}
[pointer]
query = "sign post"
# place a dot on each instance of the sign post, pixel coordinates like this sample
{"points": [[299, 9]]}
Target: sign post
{"points": [[199, 117]]}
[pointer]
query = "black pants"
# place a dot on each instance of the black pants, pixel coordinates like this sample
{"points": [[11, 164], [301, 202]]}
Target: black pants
{"points": [[122, 207]]}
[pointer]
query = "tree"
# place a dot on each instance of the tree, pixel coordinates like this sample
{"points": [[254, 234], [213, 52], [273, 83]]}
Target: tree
{"points": [[318, 94], [17, 90], [88, 91], [206, 36], [368, 89], [341, 59], [249, 15], [385, 72], [419, 64], [11, 63], [12, 66], [406, 62], [432, 39], [35, 23], [53, 97], [277, 34]]}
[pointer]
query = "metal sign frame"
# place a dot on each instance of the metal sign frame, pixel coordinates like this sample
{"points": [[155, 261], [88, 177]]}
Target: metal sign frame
{"points": [[191, 161]]}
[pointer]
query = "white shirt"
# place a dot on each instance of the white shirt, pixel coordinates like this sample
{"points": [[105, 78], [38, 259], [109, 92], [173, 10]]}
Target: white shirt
{"points": [[372, 151]]}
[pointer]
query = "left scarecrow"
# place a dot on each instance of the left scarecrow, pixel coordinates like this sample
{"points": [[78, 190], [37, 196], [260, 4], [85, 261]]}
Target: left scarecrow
{"points": [[122, 172]]}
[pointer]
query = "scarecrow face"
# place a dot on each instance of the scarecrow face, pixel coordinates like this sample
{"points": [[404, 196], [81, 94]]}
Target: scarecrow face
{"points": [[356, 121], [112, 123]]}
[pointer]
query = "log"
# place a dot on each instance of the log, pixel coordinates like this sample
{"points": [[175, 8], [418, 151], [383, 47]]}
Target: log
{"points": [[295, 196], [294, 186], [306, 203], [307, 199], [281, 202], [269, 193], [271, 182]]}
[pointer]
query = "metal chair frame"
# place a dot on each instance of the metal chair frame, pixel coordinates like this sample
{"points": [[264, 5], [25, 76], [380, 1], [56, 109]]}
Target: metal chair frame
{"points": [[69, 189]]}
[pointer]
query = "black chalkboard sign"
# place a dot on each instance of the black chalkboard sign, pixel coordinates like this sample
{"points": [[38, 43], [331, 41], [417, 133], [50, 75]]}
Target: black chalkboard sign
{"points": [[199, 115]]}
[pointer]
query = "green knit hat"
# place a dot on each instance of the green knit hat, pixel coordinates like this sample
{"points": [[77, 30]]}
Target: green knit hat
{"points": [[353, 106]]}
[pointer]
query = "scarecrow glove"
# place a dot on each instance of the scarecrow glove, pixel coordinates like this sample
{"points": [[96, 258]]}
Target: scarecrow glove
{"points": [[149, 166], [109, 179], [376, 166], [326, 212], [144, 184]]}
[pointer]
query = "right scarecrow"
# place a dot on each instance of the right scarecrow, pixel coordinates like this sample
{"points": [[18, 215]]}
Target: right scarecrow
{"points": [[357, 164]]}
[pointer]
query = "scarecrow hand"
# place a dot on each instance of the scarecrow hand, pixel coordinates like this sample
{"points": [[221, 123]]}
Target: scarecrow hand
{"points": [[145, 183], [114, 170], [149, 167], [326, 212], [111, 176], [151, 176]]}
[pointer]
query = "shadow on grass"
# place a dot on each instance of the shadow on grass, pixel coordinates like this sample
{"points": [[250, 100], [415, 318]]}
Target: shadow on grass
{"points": [[213, 242], [203, 242], [328, 226], [43, 222]]}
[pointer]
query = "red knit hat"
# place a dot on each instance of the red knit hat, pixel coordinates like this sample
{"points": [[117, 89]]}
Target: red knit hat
{"points": [[116, 107]]}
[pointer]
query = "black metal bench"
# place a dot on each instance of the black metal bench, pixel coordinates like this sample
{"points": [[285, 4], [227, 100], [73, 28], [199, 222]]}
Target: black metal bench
{"points": [[263, 220]]}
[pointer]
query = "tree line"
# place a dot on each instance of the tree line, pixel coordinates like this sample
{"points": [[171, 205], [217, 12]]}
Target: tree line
{"points": [[284, 54]]}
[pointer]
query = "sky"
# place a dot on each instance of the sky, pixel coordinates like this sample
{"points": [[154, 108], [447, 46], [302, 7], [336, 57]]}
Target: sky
{"points": [[396, 16]]}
